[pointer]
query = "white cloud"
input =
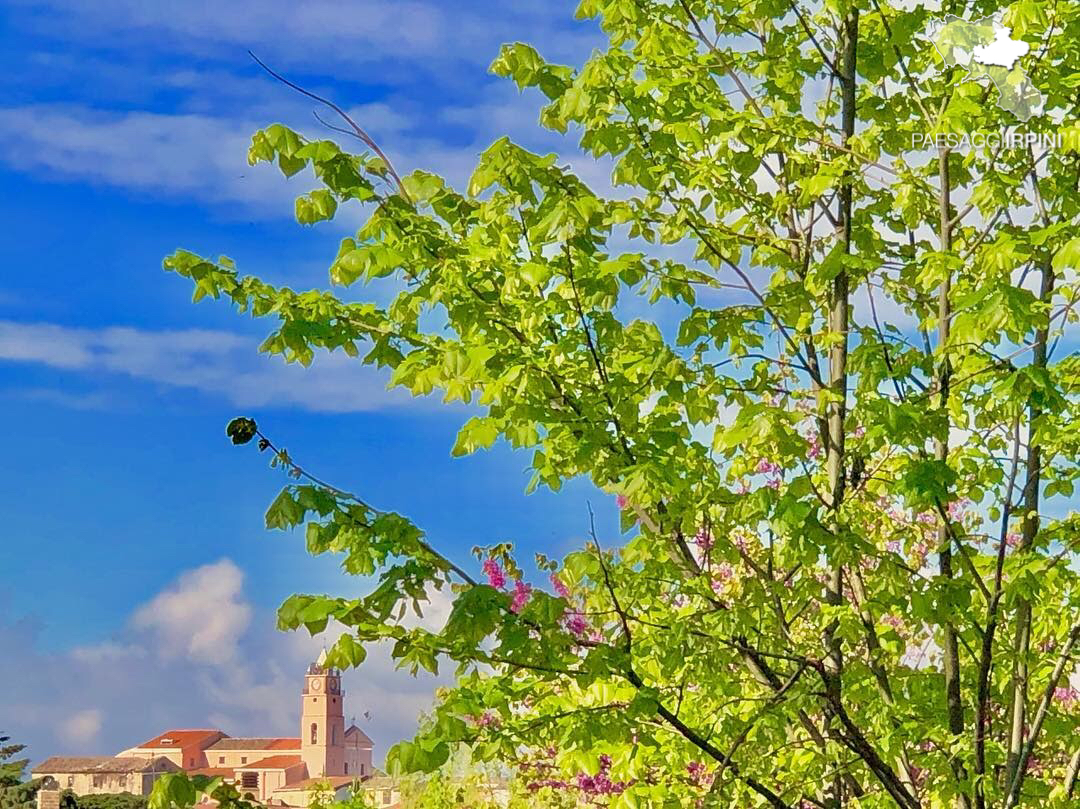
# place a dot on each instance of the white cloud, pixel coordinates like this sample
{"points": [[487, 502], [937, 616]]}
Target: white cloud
{"points": [[203, 157], [179, 156], [425, 36], [214, 362], [197, 654], [72, 400], [82, 727], [201, 615]]}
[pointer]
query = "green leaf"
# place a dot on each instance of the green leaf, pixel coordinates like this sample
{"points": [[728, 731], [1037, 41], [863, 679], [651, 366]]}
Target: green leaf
{"points": [[241, 430]]}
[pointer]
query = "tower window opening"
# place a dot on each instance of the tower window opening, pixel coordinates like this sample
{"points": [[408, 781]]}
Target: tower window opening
{"points": [[314, 733]]}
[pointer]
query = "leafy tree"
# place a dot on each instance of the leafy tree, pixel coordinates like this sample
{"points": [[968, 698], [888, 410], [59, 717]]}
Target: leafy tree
{"points": [[110, 800], [829, 377], [15, 792], [12, 770]]}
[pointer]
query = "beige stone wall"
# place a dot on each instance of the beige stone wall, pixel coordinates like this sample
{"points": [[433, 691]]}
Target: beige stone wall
{"points": [[98, 783], [48, 798], [301, 797], [358, 761], [186, 758], [238, 758]]}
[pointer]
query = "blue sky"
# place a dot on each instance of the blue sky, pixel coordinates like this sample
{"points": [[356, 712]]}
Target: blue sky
{"points": [[131, 526]]}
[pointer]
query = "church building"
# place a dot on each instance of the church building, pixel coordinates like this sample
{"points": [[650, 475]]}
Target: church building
{"points": [[278, 771]]}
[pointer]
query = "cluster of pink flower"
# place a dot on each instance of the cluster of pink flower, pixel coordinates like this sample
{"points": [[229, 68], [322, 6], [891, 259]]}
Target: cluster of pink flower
{"points": [[575, 623], [703, 539], [957, 509], [740, 540], [766, 467], [496, 577], [488, 719], [601, 783], [522, 593], [572, 620], [1067, 696], [698, 774], [589, 785], [772, 471], [894, 621], [723, 574], [561, 590], [494, 572]]}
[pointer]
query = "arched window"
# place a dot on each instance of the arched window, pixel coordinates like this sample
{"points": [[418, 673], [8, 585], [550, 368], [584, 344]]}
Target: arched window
{"points": [[346, 768], [333, 735], [314, 733]]}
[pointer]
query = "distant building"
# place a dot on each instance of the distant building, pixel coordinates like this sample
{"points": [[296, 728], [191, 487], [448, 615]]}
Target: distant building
{"points": [[272, 770], [90, 775]]}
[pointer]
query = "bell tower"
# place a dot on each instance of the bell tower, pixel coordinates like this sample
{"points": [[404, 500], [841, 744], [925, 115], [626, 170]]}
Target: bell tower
{"points": [[322, 721]]}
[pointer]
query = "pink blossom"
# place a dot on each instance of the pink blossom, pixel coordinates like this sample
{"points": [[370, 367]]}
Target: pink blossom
{"points": [[893, 546], [494, 572], [765, 467], [721, 576], [601, 783], [859, 431], [956, 508], [1012, 539], [1067, 696], [895, 621], [522, 593], [703, 540], [773, 483], [561, 590], [740, 540], [697, 773], [486, 719], [620, 501], [575, 623]]}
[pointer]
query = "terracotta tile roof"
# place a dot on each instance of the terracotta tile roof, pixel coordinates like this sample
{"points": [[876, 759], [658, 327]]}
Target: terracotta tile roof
{"points": [[259, 743], [272, 763], [214, 772], [284, 744], [365, 740], [103, 764], [334, 781], [182, 738]]}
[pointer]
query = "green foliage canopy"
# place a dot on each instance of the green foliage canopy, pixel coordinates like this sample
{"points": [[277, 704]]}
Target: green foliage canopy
{"points": [[15, 793], [830, 379]]}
